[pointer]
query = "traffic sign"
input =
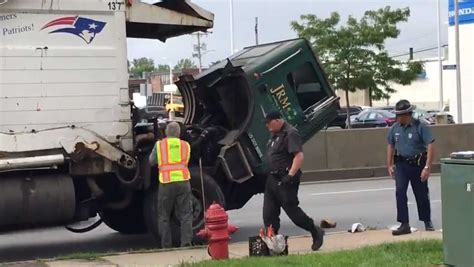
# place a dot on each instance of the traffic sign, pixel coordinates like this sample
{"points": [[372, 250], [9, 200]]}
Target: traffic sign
{"points": [[170, 88], [449, 67]]}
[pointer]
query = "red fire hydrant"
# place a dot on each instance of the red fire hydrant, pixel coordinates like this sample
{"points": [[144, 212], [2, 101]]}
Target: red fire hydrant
{"points": [[217, 231]]}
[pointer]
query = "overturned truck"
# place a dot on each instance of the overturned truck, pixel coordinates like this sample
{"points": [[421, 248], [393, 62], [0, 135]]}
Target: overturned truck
{"points": [[74, 147]]}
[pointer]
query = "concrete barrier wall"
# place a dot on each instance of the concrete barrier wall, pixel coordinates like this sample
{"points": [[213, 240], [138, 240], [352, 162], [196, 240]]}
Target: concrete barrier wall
{"points": [[357, 153]]}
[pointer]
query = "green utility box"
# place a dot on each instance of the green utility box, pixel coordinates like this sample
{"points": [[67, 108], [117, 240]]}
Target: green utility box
{"points": [[457, 191]]}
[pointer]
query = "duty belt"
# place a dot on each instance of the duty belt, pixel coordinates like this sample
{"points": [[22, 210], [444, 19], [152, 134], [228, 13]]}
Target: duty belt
{"points": [[279, 174], [418, 160]]}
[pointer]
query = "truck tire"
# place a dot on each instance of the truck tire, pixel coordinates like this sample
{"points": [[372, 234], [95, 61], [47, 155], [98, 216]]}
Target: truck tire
{"points": [[212, 192], [127, 221]]}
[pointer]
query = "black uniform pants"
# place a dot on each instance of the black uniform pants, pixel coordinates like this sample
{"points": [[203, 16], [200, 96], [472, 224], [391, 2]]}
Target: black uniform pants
{"points": [[284, 196], [405, 173]]}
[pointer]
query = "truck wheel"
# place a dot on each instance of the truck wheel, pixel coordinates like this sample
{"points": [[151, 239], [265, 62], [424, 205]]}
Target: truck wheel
{"points": [[150, 209], [128, 221], [212, 193]]}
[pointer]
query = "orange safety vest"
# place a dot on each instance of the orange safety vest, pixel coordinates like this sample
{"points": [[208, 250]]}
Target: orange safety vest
{"points": [[173, 158]]}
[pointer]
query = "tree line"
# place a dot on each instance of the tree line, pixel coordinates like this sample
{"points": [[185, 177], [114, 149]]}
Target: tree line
{"points": [[353, 53], [142, 65]]}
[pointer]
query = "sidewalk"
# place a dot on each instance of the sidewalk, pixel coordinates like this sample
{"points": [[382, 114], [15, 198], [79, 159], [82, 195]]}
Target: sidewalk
{"points": [[297, 245]]}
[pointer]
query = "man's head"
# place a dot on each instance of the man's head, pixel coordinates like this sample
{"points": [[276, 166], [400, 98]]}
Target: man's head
{"points": [[173, 130], [404, 111], [274, 121]]}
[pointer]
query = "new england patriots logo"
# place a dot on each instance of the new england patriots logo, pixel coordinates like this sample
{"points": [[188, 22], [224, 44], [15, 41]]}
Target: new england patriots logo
{"points": [[82, 27]]}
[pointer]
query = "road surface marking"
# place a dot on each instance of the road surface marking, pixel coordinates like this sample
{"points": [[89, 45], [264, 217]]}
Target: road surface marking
{"points": [[353, 191], [432, 201]]}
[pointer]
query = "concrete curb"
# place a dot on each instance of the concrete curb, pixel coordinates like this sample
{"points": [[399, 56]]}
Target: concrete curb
{"points": [[298, 245]]}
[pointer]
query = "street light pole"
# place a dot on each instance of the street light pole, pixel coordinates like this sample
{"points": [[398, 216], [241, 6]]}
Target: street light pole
{"points": [[231, 9], [256, 30], [458, 61], [171, 82], [440, 60]]}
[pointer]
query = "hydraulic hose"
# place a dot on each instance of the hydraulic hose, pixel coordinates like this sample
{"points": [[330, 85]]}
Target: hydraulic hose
{"points": [[86, 229]]}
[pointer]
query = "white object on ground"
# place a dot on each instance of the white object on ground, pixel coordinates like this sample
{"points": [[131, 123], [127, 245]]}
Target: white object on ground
{"points": [[358, 227], [276, 244]]}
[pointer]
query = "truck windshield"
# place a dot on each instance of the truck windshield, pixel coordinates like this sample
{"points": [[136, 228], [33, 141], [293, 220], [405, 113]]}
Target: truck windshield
{"points": [[307, 86]]}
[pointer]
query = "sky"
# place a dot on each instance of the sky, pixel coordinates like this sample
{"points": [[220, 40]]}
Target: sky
{"points": [[420, 32]]}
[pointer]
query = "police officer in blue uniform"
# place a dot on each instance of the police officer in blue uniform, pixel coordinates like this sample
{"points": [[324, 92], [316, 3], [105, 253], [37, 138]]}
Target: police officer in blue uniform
{"points": [[409, 158], [284, 159]]}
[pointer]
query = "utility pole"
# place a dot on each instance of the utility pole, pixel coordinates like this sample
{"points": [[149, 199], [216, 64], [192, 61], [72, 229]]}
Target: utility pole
{"points": [[440, 60], [458, 61], [256, 30], [231, 10], [200, 49], [199, 55]]}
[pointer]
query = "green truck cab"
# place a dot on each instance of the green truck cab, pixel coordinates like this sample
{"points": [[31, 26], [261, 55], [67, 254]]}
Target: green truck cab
{"points": [[231, 99]]}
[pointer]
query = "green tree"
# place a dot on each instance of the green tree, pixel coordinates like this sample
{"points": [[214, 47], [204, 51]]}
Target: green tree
{"points": [[141, 65], [354, 54], [185, 63], [163, 68]]}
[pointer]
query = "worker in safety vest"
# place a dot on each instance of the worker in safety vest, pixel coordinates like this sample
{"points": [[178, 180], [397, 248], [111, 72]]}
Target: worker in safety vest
{"points": [[174, 194]]}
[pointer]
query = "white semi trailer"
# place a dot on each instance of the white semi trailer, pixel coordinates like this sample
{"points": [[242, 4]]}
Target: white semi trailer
{"points": [[68, 150]]}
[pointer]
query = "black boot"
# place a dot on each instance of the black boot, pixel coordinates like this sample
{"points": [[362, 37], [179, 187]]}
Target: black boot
{"points": [[318, 238], [404, 229], [429, 226]]}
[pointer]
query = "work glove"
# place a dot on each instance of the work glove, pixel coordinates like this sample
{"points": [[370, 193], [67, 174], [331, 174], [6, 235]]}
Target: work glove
{"points": [[208, 133], [205, 134], [287, 180]]}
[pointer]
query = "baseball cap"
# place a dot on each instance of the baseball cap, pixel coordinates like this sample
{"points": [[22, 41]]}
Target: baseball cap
{"points": [[272, 115]]}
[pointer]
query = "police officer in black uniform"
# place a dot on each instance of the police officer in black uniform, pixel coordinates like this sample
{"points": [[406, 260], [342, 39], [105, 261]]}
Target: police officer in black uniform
{"points": [[409, 158], [284, 159]]}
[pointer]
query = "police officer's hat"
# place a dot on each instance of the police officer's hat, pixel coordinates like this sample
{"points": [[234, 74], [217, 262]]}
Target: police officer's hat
{"points": [[404, 107]]}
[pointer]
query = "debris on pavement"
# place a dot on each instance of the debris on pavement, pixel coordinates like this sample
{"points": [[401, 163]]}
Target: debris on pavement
{"points": [[357, 228], [327, 223]]}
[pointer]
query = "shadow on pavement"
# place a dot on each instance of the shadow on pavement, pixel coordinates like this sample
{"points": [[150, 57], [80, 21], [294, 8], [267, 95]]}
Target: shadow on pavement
{"points": [[113, 242]]}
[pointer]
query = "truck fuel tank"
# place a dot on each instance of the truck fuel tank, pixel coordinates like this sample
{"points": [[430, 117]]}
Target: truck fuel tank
{"points": [[33, 201]]}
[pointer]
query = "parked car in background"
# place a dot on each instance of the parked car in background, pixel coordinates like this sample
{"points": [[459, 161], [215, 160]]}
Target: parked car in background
{"points": [[386, 108], [341, 119], [374, 118], [430, 116], [154, 112]]}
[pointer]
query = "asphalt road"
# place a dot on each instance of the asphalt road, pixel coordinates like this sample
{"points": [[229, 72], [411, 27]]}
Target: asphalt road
{"points": [[371, 203]]}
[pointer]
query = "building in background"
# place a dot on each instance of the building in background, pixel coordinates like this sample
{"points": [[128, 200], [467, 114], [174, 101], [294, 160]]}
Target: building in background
{"points": [[158, 80], [466, 36], [424, 92]]}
